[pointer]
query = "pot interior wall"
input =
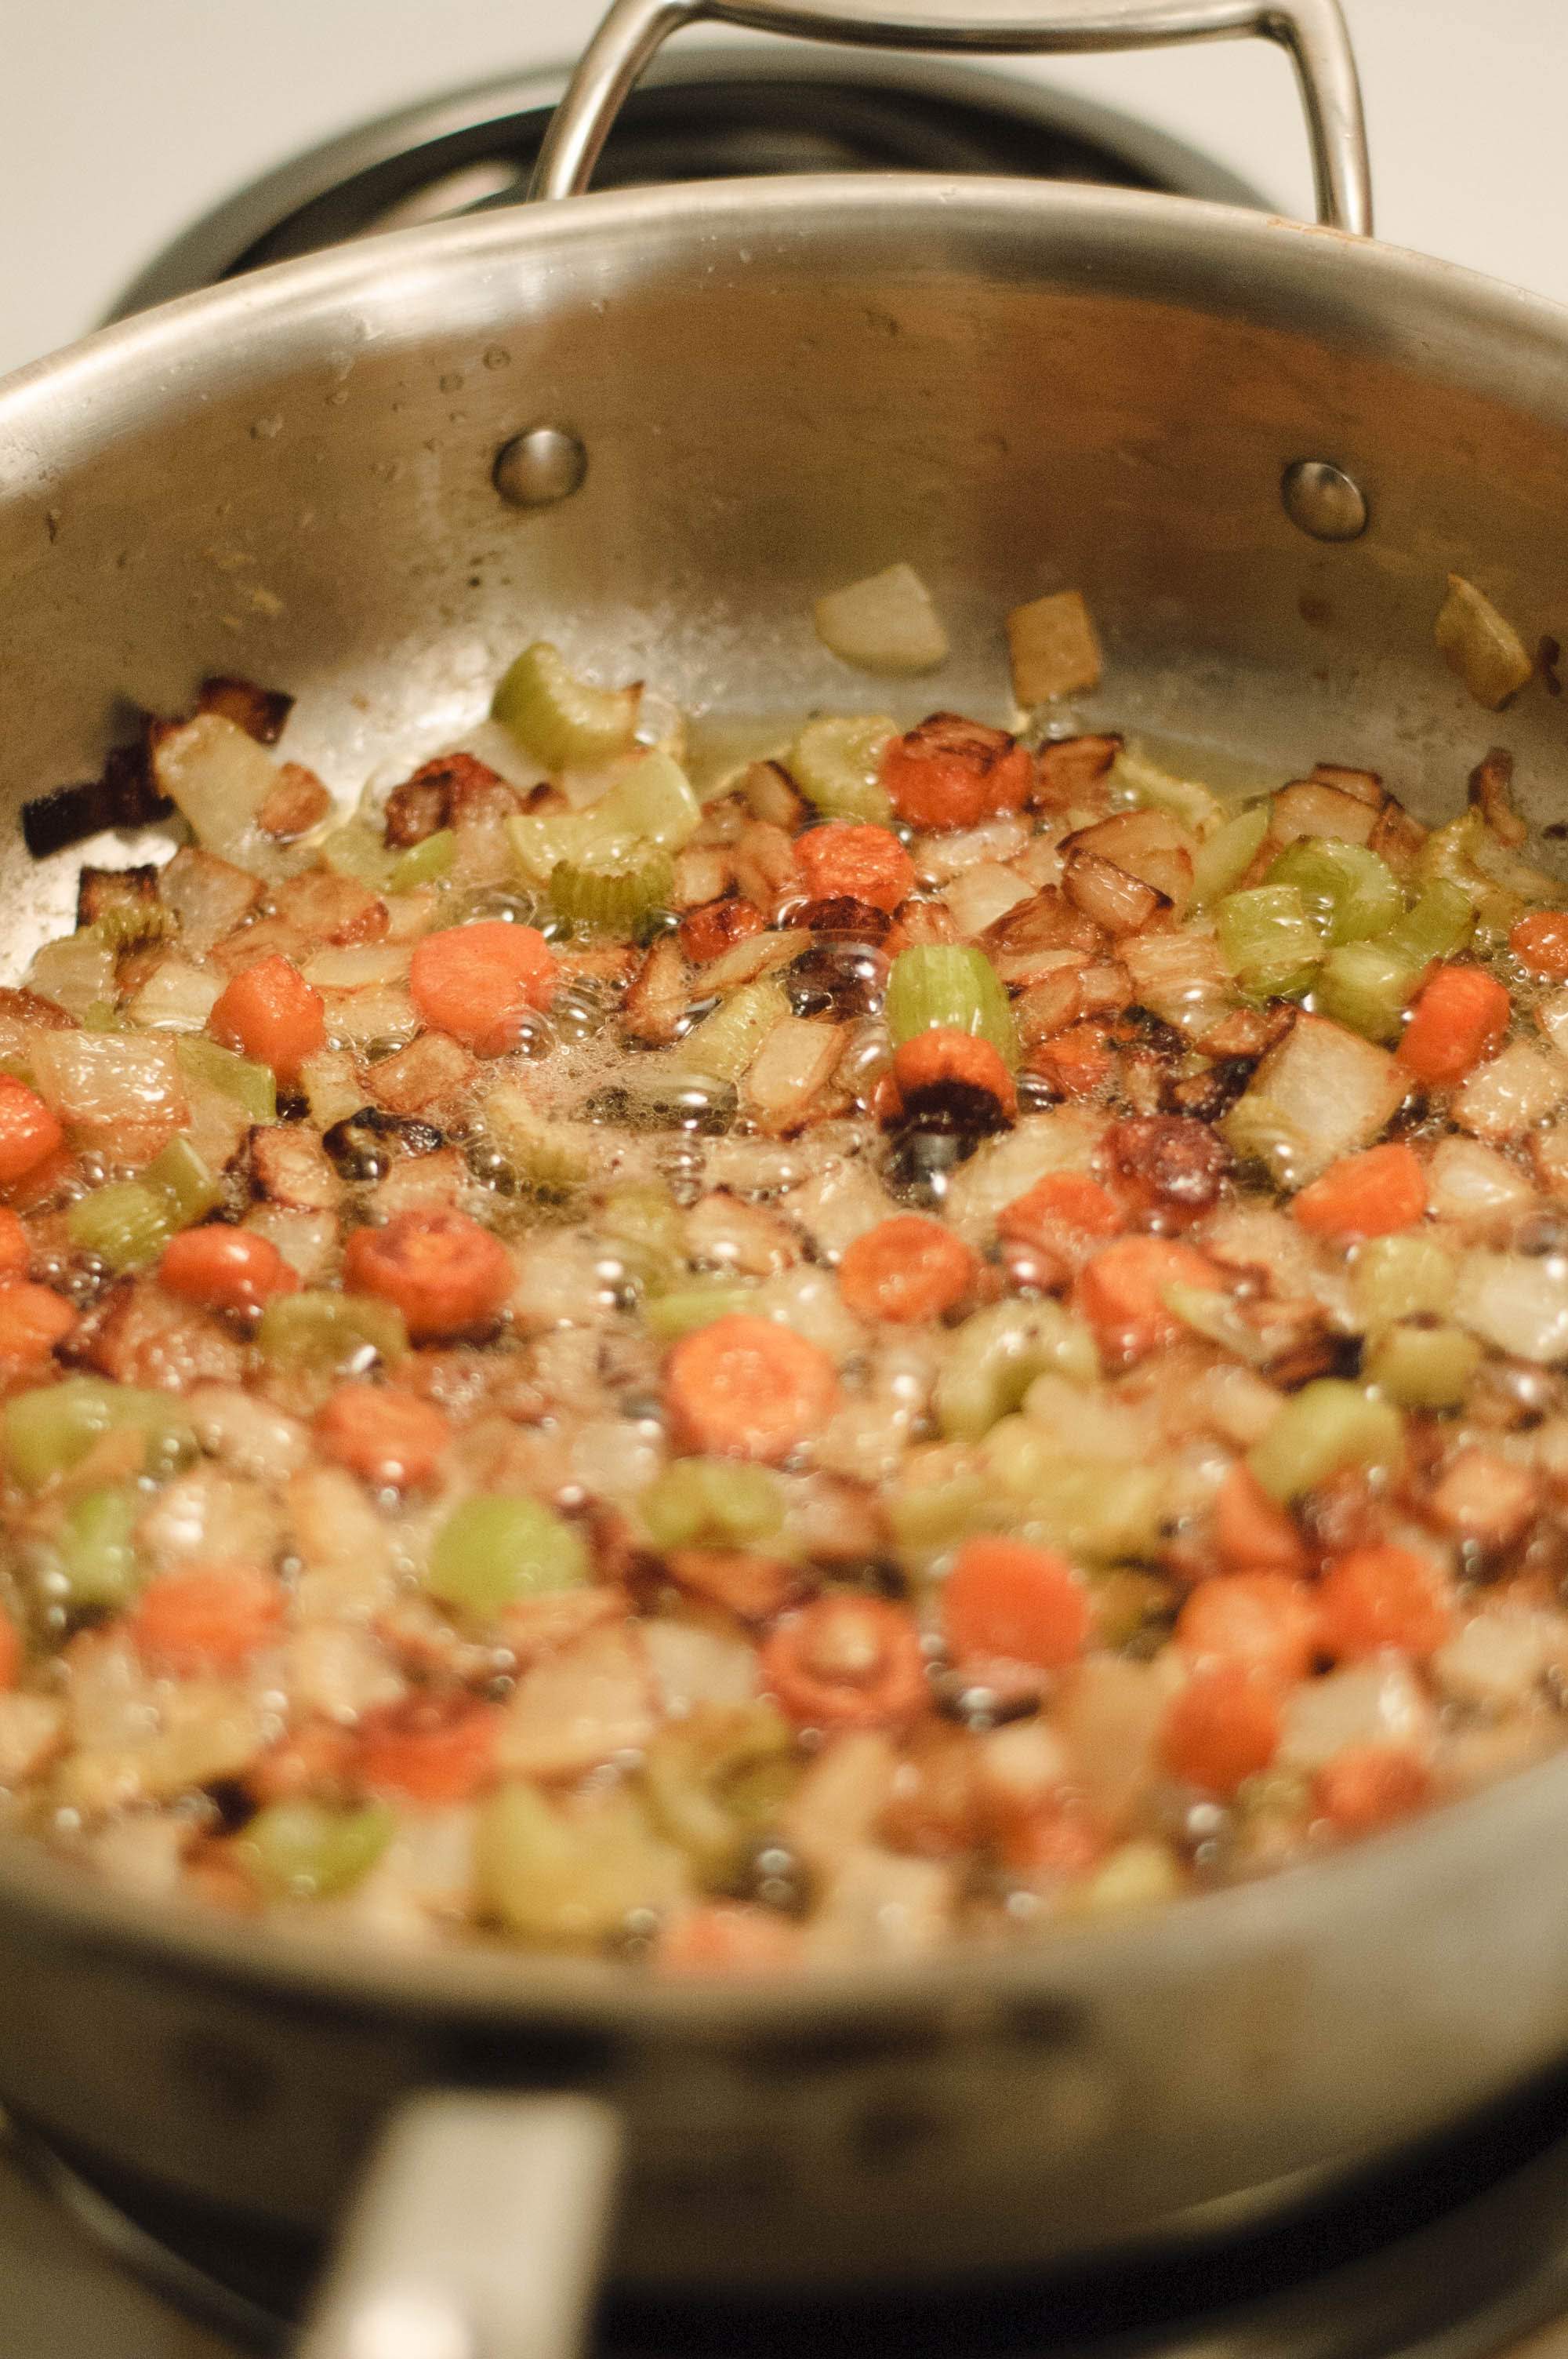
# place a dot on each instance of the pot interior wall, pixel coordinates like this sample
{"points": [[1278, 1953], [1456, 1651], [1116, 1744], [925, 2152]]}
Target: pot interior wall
{"points": [[1018, 391]]}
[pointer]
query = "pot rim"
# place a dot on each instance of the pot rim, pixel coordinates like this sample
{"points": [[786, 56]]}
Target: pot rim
{"points": [[385, 291]]}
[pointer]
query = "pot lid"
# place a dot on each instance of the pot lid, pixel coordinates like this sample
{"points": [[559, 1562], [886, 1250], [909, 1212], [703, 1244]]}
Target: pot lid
{"points": [[720, 112]]}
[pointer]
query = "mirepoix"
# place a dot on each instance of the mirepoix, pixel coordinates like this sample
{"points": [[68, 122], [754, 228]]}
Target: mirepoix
{"points": [[935, 1331]]}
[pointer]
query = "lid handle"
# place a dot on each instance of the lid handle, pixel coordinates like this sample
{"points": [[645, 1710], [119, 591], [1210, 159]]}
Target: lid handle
{"points": [[1312, 30]]}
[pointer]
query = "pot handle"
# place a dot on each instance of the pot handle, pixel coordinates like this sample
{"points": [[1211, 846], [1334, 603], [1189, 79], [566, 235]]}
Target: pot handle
{"points": [[1312, 30], [476, 2234]]}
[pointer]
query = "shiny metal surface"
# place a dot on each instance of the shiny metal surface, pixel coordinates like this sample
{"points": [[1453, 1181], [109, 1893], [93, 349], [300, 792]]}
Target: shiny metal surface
{"points": [[541, 468], [1313, 31], [1324, 501], [1016, 388]]}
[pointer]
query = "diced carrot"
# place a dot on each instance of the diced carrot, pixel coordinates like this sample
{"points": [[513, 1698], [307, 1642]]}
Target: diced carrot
{"points": [[715, 926], [28, 1131], [747, 1387], [1066, 1201], [479, 982], [1459, 1017], [906, 1270], [225, 1268], [1121, 1293], [1366, 1195], [953, 772], [1221, 1728], [755, 1587], [434, 1750], [863, 864], [16, 1247], [443, 1271], [47, 1183], [210, 1618], [1252, 1533], [1370, 1786], [1078, 1062], [33, 1319], [11, 1652], [1541, 943], [1262, 1621], [1004, 1598], [270, 1012], [726, 1937], [1060, 1838], [946, 1057], [847, 1661], [391, 1438], [1379, 1597]]}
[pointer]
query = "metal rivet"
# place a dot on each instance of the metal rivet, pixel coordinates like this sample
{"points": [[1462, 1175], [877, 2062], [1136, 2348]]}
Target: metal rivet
{"points": [[1323, 501], [540, 468]]}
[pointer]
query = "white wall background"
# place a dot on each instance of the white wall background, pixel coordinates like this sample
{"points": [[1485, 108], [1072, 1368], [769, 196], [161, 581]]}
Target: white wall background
{"points": [[126, 117]]}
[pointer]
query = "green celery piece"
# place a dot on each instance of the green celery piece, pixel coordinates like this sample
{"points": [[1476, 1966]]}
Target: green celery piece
{"points": [[563, 722], [1354, 893], [1402, 1277], [651, 804], [1439, 924], [125, 1223], [1103, 1510], [947, 984], [1228, 854], [547, 1878], [837, 763], [712, 1503], [723, 1044], [1269, 940], [614, 888], [1366, 986], [180, 1174], [1327, 1427], [356, 850], [646, 1229], [1424, 1366], [424, 864], [96, 1557], [994, 1357], [668, 1317], [717, 1780], [491, 1552], [251, 1085], [930, 1515], [305, 1850], [47, 1432], [326, 1334], [1198, 807]]}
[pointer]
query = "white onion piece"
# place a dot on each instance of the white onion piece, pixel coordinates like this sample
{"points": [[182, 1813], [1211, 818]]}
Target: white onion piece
{"points": [[838, 1204], [1379, 1702], [338, 1670], [792, 1068], [218, 779], [108, 1078], [1147, 844], [886, 624], [883, 1903], [807, 1300], [1321, 1093], [574, 1710], [939, 858], [1310, 808], [1516, 1302], [176, 997], [32, 1729], [1481, 645], [1500, 1656], [694, 1662], [1052, 647], [1063, 1141], [982, 895], [357, 964], [1512, 1092], [616, 1457], [840, 1798], [247, 1434], [74, 972], [1467, 1182]]}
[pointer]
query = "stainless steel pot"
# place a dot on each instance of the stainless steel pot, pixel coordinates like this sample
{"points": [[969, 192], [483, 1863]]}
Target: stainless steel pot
{"points": [[698, 408]]}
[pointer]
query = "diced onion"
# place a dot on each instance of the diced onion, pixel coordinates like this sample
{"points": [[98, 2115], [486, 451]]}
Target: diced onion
{"points": [[886, 624], [1481, 645], [1053, 647]]}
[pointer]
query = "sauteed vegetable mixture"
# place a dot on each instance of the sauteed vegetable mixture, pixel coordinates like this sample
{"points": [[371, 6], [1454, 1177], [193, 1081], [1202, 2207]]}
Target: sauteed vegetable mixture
{"points": [[943, 1332]]}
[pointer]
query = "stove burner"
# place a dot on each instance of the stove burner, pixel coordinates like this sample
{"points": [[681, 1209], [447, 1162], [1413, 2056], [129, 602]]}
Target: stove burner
{"points": [[1451, 2255], [700, 115]]}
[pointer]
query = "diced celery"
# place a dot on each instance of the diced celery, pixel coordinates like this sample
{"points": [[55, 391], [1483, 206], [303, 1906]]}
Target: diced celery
{"points": [[330, 1334], [560, 720], [712, 1503], [1366, 986], [698, 1303], [837, 763], [1228, 854], [1440, 923], [1211, 1312], [541, 1152], [927, 1515], [945, 983], [1187, 800], [491, 1551], [48, 1431], [615, 888], [124, 1225], [541, 841], [1105, 1510], [250, 1085], [1354, 893], [995, 1356], [1423, 1366], [424, 864], [1402, 1277], [306, 1850], [717, 1780], [724, 1043], [96, 1557], [1327, 1427], [649, 1235], [555, 1878], [651, 804], [102, 1015], [356, 850], [181, 1175], [1270, 940]]}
